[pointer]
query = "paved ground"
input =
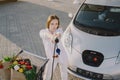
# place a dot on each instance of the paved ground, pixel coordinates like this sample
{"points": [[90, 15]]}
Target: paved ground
{"points": [[21, 21], [61, 5]]}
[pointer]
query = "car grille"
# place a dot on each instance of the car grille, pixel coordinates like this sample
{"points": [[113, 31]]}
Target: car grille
{"points": [[88, 74]]}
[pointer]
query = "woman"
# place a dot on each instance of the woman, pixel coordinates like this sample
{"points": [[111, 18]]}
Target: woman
{"points": [[48, 35]]}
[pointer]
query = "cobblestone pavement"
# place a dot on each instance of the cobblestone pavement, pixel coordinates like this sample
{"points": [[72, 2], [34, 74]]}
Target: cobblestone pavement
{"points": [[21, 21], [61, 5]]}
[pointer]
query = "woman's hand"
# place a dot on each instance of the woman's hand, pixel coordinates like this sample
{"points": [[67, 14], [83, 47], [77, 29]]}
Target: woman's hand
{"points": [[58, 35], [55, 56], [55, 36]]}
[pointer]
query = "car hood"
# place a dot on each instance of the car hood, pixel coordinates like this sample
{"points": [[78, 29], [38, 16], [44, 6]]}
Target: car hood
{"points": [[104, 2], [109, 46]]}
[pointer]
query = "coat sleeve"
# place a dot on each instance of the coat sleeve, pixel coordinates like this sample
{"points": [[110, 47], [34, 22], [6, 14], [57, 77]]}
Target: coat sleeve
{"points": [[46, 42], [42, 33], [45, 34]]}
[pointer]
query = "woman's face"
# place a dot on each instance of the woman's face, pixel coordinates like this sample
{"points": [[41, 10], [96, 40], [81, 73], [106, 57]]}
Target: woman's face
{"points": [[53, 25]]}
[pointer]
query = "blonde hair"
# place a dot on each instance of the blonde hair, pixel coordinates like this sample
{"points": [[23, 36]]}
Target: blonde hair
{"points": [[50, 18]]}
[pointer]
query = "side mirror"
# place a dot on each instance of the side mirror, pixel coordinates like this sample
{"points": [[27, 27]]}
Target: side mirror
{"points": [[70, 15]]}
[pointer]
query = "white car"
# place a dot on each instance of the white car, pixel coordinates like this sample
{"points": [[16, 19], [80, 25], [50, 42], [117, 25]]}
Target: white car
{"points": [[92, 40]]}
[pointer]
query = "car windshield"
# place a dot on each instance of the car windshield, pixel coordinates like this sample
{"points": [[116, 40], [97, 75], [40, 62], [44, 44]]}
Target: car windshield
{"points": [[98, 17]]}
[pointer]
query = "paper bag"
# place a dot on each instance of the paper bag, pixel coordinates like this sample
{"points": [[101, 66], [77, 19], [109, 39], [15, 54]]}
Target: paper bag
{"points": [[5, 72], [15, 75]]}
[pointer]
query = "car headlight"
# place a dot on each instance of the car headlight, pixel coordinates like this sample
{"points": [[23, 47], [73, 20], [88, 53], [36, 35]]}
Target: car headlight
{"points": [[118, 58], [68, 40]]}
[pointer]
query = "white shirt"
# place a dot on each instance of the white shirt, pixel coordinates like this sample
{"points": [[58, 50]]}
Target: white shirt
{"points": [[49, 45]]}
